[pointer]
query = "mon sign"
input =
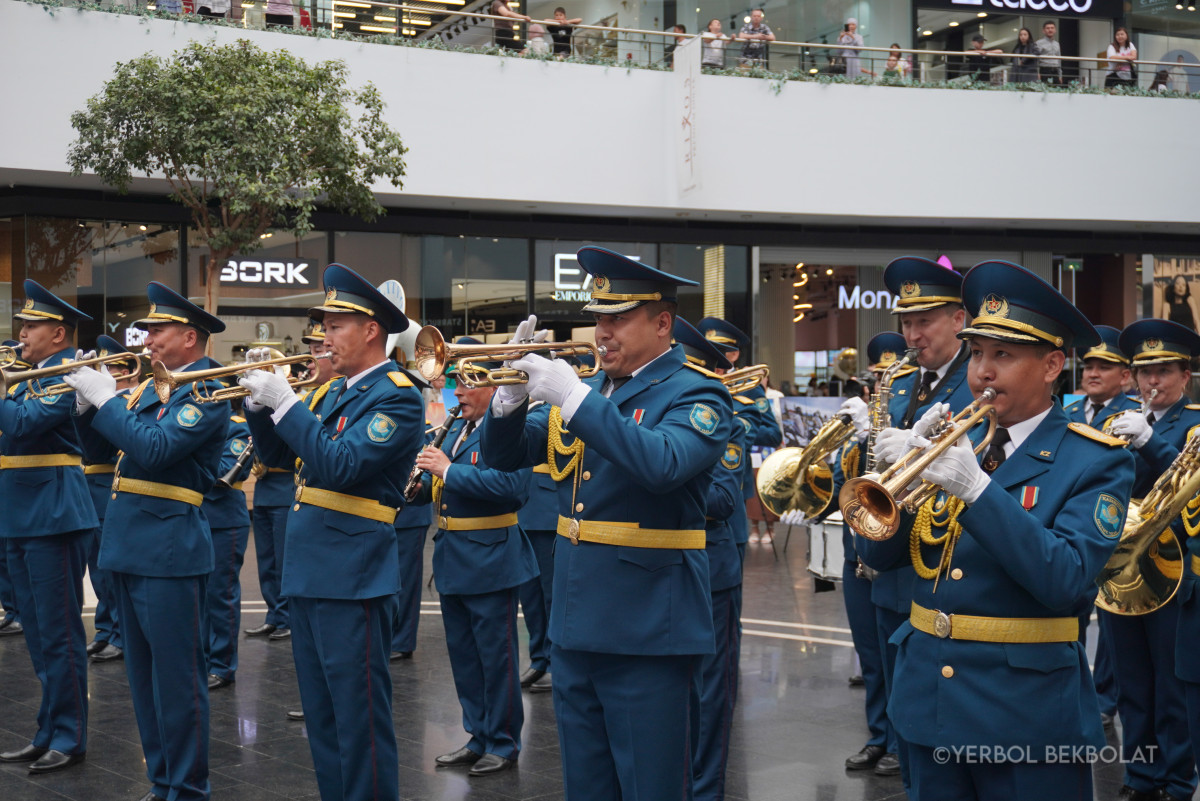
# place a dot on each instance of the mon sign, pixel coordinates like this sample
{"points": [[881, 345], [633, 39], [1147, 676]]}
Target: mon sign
{"points": [[265, 273], [859, 298]]}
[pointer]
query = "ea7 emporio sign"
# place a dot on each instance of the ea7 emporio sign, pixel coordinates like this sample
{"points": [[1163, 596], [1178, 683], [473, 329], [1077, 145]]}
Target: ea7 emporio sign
{"points": [[264, 273], [1060, 8]]}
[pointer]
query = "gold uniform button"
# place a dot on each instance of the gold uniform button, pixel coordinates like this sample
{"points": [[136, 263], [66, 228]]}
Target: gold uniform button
{"points": [[114, 496], [579, 507], [444, 506], [956, 573], [587, 474], [948, 672], [296, 508]]}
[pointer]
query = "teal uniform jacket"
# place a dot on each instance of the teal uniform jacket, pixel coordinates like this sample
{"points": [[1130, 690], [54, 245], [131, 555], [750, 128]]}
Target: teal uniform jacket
{"points": [[1014, 563], [540, 512], [893, 590], [481, 560], [178, 443], [226, 508], [725, 510], [416, 515], [274, 488], [767, 431], [649, 454], [360, 442], [43, 500], [745, 416], [1075, 411], [1187, 666], [1170, 432]]}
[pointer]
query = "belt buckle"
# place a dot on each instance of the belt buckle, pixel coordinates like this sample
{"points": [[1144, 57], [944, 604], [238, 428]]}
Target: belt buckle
{"points": [[941, 625], [299, 492], [573, 531], [443, 522]]}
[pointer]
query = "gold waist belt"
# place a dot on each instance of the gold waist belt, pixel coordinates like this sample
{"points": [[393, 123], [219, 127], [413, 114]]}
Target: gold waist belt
{"points": [[349, 504], [40, 460], [994, 629], [156, 490], [278, 470], [610, 533], [98, 469], [1196, 565], [237, 486], [477, 523], [544, 467]]}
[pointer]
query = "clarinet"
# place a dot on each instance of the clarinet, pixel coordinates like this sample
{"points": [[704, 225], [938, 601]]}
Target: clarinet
{"points": [[229, 479], [414, 478]]}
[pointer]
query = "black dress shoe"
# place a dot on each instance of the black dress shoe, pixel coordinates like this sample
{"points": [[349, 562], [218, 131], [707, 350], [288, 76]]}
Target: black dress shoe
{"points": [[1127, 793], [489, 764], [27, 754], [463, 756], [12, 629], [542, 685], [396, 656], [1161, 794], [530, 676], [216, 682], [857, 681], [295, 714], [888, 765], [260, 631], [866, 758], [7, 621], [55, 760], [94, 646], [280, 634], [108, 653]]}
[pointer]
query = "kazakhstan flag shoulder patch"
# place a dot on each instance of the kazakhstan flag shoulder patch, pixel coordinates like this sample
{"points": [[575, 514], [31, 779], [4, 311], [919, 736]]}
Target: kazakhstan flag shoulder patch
{"points": [[381, 428], [188, 416], [704, 419], [732, 459], [1109, 516], [237, 447]]}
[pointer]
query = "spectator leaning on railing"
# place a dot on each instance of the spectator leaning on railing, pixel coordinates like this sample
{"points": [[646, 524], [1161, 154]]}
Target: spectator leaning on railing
{"points": [[977, 63], [755, 34], [714, 46], [1049, 69], [561, 29], [1024, 70], [669, 50], [1121, 55], [503, 29]]}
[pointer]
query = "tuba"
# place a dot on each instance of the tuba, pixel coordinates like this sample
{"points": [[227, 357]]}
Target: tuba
{"points": [[793, 479], [1146, 569], [871, 504]]}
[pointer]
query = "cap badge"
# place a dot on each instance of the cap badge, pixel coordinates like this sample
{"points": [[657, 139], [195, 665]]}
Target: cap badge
{"points": [[331, 296], [910, 289], [1102, 347], [29, 304], [600, 284], [153, 309], [1152, 344], [994, 306], [887, 357]]}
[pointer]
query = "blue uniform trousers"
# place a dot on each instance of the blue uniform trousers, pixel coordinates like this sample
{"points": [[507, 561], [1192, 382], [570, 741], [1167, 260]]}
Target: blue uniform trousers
{"points": [[1102, 668], [717, 683], [536, 595], [1192, 693], [861, 614], [623, 724], [341, 652], [1151, 701], [162, 623], [224, 609], [410, 543], [481, 635], [47, 577], [887, 622], [938, 775], [107, 627], [270, 523], [8, 597]]}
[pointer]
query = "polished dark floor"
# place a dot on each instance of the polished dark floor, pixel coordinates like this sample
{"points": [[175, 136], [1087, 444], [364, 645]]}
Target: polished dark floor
{"points": [[797, 717]]}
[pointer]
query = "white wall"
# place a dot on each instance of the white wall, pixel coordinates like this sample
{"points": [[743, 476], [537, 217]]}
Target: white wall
{"points": [[532, 136]]}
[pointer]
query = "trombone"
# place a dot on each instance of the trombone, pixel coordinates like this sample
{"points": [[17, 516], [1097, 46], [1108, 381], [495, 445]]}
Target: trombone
{"points": [[9, 378], [871, 504], [166, 382], [432, 353]]}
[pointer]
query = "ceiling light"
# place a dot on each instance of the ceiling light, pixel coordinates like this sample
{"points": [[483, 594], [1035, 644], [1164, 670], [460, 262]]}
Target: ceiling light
{"points": [[953, 24], [981, 14], [927, 32], [829, 271]]}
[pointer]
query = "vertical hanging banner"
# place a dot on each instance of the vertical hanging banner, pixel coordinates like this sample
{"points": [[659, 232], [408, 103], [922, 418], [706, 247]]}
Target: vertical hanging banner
{"points": [[687, 75]]}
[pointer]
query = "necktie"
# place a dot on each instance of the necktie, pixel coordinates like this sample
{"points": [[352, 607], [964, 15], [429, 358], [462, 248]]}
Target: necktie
{"points": [[1150, 418], [994, 457], [1096, 409], [926, 385], [466, 432], [617, 383]]}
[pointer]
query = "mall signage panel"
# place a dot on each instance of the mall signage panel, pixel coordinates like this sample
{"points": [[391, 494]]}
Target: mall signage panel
{"points": [[263, 273], [1066, 9]]}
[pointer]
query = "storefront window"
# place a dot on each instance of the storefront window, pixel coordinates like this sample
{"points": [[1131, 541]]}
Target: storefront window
{"points": [[474, 285]]}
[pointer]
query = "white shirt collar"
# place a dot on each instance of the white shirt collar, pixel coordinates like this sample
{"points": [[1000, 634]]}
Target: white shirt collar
{"points": [[1018, 432], [354, 379]]}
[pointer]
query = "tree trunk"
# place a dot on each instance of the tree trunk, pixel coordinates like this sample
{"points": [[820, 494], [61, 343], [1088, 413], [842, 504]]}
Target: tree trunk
{"points": [[212, 286]]}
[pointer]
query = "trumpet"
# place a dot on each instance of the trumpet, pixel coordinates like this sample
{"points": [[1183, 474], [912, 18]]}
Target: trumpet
{"points": [[166, 382], [432, 353], [745, 378], [1146, 569], [9, 355], [9, 378], [1144, 411], [798, 478], [871, 504]]}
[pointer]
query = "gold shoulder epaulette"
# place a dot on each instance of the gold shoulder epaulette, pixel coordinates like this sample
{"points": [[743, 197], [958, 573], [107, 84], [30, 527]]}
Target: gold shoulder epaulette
{"points": [[745, 401], [400, 379], [136, 395], [1084, 430], [238, 418], [1195, 407]]}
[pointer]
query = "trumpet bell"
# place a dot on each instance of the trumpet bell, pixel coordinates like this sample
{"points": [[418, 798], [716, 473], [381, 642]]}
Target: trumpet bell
{"points": [[787, 481], [166, 382], [431, 354], [869, 509]]}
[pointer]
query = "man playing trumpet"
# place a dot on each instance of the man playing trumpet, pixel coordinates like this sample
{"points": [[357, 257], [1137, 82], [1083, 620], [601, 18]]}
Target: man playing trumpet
{"points": [[1006, 558]]}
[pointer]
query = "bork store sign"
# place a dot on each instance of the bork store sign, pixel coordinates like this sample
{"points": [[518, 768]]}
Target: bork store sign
{"points": [[259, 273], [1069, 9]]}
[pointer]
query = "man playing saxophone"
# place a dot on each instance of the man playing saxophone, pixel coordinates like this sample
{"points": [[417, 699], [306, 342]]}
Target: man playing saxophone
{"points": [[1006, 556]]}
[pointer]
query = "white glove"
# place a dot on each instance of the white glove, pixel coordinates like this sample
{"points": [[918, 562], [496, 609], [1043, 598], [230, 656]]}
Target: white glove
{"points": [[792, 518], [266, 388], [1134, 427], [92, 387], [550, 380], [510, 396], [918, 435], [889, 445], [857, 409], [258, 354], [958, 472]]}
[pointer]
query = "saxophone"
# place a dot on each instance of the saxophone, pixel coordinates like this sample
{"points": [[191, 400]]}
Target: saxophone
{"points": [[1144, 411], [877, 411]]}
